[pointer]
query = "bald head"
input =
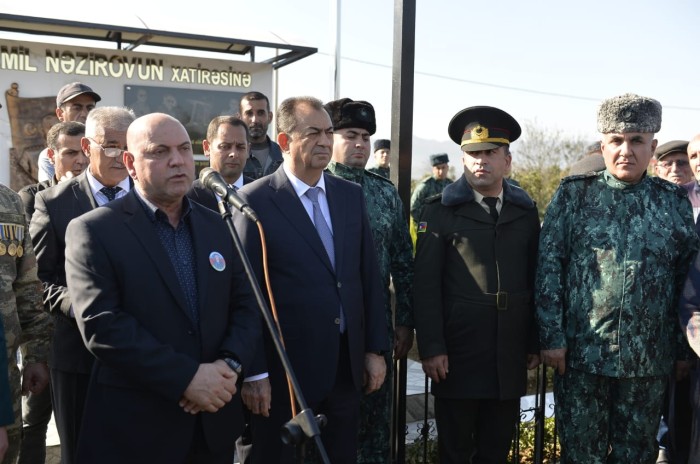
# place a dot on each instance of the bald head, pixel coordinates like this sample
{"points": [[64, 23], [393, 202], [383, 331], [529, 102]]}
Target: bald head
{"points": [[694, 156], [160, 159]]}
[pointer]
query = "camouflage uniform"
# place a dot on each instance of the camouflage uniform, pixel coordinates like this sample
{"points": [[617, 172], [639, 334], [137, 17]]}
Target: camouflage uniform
{"points": [[612, 260], [24, 319], [424, 190], [384, 172], [395, 257]]}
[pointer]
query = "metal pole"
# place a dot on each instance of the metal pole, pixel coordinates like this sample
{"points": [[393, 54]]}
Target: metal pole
{"points": [[402, 98], [335, 17], [400, 158]]}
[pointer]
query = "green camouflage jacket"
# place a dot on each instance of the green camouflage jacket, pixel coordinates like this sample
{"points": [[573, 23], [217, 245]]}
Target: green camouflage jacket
{"points": [[23, 316], [422, 192], [612, 261], [391, 238]]}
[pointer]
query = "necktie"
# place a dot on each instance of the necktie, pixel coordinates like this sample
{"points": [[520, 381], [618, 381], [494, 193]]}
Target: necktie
{"points": [[491, 202], [324, 232], [110, 192]]}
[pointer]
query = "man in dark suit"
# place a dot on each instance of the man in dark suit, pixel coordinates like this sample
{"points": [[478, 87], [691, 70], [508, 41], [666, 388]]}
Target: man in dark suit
{"points": [[164, 305], [105, 179], [226, 146], [328, 294], [473, 293]]}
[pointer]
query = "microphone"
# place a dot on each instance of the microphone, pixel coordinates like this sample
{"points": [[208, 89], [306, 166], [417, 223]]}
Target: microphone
{"points": [[214, 182]]}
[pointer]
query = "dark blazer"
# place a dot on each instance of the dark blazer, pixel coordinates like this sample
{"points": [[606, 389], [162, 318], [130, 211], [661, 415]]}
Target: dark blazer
{"points": [[28, 196], [205, 197], [134, 319], [307, 292], [54, 208], [462, 258]]}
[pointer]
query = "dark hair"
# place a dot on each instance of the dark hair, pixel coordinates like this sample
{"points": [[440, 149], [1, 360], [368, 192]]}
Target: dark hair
{"points": [[286, 113], [70, 128], [252, 96], [221, 120]]}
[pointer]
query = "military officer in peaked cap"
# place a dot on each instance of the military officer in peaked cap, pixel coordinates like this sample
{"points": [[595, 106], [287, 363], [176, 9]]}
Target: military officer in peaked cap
{"points": [[614, 251], [473, 293]]}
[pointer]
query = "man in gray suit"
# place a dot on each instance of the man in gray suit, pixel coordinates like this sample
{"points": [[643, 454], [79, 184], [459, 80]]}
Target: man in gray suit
{"points": [[104, 180]]}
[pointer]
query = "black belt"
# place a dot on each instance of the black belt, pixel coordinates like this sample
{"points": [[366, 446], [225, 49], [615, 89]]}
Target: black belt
{"points": [[500, 300]]}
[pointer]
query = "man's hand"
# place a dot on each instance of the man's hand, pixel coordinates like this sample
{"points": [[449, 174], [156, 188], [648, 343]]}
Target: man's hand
{"points": [[436, 367], [533, 360], [555, 358], [403, 341], [35, 377], [257, 395], [212, 386], [375, 371]]}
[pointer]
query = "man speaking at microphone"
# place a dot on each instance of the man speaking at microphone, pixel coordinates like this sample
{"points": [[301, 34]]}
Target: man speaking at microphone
{"points": [[325, 282], [163, 303]]}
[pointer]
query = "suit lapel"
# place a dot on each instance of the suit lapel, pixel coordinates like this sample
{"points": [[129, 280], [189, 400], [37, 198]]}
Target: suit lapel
{"points": [[83, 193], [290, 207], [138, 222]]}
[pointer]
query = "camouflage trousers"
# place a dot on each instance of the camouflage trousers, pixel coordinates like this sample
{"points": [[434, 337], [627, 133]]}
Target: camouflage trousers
{"points": [[375, 418], [606, 420]]}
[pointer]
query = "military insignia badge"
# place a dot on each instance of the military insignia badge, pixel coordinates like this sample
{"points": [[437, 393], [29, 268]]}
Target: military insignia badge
{"points": [[217, 261], [3, 249], [422, 227]]}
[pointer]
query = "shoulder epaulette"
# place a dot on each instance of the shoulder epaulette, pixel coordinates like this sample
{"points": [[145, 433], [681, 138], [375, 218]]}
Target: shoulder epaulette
{"points": [[585, 175], [433, 198], [377, 176]]}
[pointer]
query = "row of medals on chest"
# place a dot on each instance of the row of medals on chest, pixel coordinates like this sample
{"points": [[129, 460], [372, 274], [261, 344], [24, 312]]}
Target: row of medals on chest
{"points": [[11, 237]]}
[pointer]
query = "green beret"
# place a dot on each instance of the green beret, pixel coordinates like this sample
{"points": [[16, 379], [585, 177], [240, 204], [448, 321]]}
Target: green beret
{"points": [[629, 113]]}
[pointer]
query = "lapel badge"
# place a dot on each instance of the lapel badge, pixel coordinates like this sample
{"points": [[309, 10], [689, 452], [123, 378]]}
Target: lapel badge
{"points": [[217, 261]]}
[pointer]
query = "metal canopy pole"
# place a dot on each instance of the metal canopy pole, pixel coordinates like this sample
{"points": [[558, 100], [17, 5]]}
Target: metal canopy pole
{"points": [[400, 157]]}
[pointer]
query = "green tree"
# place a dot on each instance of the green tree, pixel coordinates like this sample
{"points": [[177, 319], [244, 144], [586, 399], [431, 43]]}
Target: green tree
{"points": [[542, 158]]}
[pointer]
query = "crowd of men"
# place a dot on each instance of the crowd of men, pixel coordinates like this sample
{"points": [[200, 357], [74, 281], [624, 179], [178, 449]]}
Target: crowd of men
{"points": [[140, 329]]}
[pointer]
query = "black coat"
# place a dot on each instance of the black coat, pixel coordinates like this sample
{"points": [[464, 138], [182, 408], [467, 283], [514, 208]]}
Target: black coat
{"points": [[462, 256]]}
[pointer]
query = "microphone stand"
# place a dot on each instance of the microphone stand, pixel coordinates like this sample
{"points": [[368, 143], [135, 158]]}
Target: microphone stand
{"points": [[304, 425]]}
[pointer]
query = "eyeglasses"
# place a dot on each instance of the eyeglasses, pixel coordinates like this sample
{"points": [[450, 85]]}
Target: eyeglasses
{"points": [[679, 163], [111, 152]]}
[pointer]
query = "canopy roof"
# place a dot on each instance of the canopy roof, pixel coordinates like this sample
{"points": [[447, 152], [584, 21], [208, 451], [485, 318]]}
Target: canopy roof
{"points": [[129, 31]]}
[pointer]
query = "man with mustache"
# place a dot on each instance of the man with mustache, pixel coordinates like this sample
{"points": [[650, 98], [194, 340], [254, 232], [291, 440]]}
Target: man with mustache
{"points": [[671, 162], [265, 155], [614, 252], [104, 180], [474, 275]]}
